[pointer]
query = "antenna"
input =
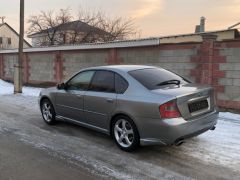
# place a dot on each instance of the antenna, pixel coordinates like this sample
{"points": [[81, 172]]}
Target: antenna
{"points": [[2, 18]]}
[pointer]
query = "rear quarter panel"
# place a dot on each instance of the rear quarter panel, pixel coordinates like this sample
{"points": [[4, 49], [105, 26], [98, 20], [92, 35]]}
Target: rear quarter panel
{"points": [[140, 106]]}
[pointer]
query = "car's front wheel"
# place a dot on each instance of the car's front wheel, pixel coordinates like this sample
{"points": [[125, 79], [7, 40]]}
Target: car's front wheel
{"points": [[125, 133], [48, 112]]}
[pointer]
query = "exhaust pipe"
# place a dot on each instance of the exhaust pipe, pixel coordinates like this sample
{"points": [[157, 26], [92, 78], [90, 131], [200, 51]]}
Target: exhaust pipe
{"points": [[179, 142], [213, 128]]}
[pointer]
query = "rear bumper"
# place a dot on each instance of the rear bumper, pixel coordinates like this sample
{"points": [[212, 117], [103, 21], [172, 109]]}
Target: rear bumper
{"points": [[170, 131]]}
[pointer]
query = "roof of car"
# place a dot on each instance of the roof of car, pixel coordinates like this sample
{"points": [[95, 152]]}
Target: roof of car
{"points": [[125, 68]]}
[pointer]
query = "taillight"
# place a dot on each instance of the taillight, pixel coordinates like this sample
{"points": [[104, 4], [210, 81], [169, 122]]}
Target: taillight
{"points": [[169, 110]]}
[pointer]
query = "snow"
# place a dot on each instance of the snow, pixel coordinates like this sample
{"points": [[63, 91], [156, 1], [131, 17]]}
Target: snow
{"points": [[230, 116], [219, 147], [215, 148], [7, 88], [98, 154]]}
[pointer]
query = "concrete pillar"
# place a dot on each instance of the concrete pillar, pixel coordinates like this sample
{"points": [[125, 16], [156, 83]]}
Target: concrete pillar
{"points": [[208, 61], [206, 53], [1, 67], [25, 65], [58, 67], [113, 58]]}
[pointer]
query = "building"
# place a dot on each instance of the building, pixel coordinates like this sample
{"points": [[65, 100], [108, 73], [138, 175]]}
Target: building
{"points": [[225, 34], [74, 32], [9, 38]]}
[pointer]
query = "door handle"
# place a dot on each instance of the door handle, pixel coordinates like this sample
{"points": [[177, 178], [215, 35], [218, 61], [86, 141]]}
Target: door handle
{"points": [[110, 100]]}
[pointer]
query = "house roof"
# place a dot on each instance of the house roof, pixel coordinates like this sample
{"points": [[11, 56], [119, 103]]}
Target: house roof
{"points": [[236, 32], [15, 32], [74, 25]]}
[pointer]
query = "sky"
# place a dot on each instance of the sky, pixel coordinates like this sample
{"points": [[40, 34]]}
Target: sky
{"points": [[152, 17]]}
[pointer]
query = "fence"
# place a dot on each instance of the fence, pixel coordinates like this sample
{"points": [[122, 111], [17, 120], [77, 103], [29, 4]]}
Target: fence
{"points": [[210, 62]]}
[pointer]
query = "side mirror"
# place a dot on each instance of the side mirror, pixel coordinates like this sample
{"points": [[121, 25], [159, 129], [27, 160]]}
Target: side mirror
{"points": [[61, 86]]}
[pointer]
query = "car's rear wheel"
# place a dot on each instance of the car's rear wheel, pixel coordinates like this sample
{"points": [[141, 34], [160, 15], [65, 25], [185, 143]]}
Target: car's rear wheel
{"points": [[125, 133], [48, 112]]}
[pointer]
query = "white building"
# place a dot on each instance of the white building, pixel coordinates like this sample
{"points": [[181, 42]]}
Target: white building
{"points": [[9, 38], [74, 32]]}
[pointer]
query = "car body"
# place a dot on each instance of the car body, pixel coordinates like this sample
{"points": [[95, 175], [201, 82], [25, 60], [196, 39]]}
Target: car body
{"points": [[165, 113]]}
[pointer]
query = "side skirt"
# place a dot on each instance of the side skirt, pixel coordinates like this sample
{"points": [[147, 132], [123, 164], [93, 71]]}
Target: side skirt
{"points": [[105, 131]]}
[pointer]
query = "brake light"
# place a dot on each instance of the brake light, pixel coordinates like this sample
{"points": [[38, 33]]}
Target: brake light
{"points": [[169, 110]]}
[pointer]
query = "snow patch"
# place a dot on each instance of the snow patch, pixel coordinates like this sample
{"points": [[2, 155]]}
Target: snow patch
{"points": [[228, 115], [7, 88]]}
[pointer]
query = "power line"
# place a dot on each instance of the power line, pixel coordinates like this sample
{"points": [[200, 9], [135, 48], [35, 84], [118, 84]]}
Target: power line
{"points": [[234, 25]]}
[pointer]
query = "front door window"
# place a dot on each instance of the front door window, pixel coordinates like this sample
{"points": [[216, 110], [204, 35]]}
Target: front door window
{"points": [[81, 81]]}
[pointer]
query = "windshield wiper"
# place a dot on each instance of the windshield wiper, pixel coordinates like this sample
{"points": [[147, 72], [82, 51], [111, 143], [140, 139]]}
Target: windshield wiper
{"points": [[173, 81]]}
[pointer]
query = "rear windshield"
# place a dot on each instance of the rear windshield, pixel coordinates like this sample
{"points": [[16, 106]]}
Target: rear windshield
{"points": [[151, 78]]}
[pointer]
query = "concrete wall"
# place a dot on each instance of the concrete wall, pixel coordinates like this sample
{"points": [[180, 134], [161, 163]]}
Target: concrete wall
{"points": [[231, 79], [74, 61], [176, 60], [210, 62], [8, 67], [43, 64]]}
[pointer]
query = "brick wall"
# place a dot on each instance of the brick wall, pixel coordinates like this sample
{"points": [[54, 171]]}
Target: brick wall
{"points": [[209, 62]]}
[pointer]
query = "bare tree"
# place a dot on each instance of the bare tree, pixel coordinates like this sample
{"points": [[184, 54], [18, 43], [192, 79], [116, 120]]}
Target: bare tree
{"points": [[90, 26], [48, 24], [117, 28]]}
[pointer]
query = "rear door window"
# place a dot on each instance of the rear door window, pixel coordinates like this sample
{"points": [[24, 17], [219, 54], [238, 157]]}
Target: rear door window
{"points": [[103, 81], [121, 84], [151, 78]]}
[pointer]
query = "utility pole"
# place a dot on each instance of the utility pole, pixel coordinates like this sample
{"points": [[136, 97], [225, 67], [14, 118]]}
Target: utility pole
{"points": [[18, 66]]}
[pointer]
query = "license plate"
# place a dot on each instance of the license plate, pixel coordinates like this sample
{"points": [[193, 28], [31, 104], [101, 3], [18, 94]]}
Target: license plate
{"points": [[197, 106]]}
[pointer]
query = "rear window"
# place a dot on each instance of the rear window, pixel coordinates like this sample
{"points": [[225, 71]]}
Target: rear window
{"points": [[152, 77]]}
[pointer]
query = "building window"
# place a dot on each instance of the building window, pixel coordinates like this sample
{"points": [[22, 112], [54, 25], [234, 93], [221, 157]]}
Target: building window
{"points": [[9, 41], [1, 40]]}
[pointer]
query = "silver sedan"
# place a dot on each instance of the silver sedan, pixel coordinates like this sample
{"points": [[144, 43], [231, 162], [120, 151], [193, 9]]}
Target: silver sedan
{"points": [[136, 105]]}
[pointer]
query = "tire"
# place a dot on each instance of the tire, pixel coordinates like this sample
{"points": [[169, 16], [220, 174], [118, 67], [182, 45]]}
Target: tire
{"points": [[125, 133], [48, 112]]}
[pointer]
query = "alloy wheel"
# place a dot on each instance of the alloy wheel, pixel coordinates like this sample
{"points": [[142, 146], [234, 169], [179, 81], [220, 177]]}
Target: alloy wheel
{"points": [[47, 112], [123, 133]]}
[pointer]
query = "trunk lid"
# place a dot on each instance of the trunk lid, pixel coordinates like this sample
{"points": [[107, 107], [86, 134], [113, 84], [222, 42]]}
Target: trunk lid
{"points": [[192, 99]]}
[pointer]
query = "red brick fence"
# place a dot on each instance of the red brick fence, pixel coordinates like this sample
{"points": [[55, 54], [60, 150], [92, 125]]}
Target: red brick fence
{"points": [[211, 62]]}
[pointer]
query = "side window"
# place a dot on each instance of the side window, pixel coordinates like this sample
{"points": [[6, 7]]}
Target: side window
{"points": [[9, 41], [103, 81], [81, 81], [121, 84]]}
